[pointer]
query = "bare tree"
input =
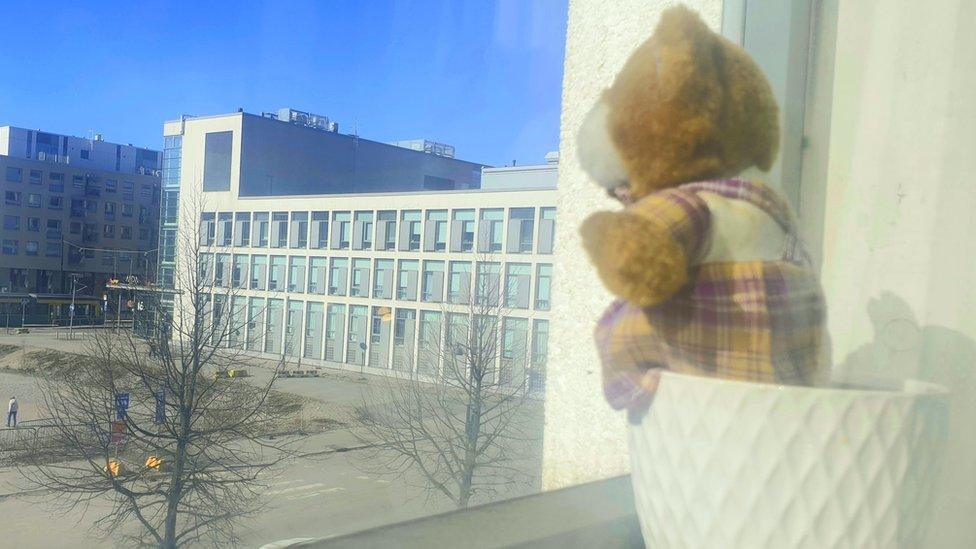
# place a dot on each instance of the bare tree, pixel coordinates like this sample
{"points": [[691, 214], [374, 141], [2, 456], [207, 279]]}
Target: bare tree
{"points": [[455, 413], [184, 462]]}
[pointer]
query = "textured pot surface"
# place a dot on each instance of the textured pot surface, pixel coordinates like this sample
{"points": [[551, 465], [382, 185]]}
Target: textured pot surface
{"points": [[720, 463]]}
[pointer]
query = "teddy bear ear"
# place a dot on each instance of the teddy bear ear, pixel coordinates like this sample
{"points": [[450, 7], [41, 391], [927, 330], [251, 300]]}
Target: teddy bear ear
{"points": [[681, 24]]}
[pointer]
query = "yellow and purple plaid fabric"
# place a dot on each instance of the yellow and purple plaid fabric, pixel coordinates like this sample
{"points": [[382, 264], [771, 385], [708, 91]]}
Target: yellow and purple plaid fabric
{"points": [[753, 321]]}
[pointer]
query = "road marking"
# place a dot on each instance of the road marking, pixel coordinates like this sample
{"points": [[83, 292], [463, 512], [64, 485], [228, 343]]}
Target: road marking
{"points": [[295, 488], [284, 482], [319, 493]]}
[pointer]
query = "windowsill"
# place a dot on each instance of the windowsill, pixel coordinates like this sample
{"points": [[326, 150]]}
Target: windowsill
{"points": [[596, 514]]}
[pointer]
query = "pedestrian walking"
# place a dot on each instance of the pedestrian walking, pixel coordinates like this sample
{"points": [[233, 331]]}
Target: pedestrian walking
{"points": [[12, 412]]}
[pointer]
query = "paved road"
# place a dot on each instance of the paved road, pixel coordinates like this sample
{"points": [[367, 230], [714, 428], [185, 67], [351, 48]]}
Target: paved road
{"points": [[324, 496], [312, 497]]}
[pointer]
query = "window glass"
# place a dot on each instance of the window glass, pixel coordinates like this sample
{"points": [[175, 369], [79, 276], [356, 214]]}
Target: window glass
{"points": [[490, 230], [363, 231], [383, 279]]}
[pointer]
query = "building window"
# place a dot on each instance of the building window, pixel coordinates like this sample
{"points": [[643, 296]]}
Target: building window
{"points": [[459, 282], [126, 232], [540, 350], [435, 231], [34, 224], [242, 229], [429, 342], [543, 287], [515, 332], [432, 285], [78, 182], [319, 230], [144, 214], [335, 332], [10, 246], [222, 274], [110, 211], [111, 185], [33, 200], [462, 231], [126, 210], [127, 187], [279, 230], [52, 249], [490, 230], [362, 238], [521, 230], [360, 278], [56, 176], [108, 231], [517, 285], [55, 187], [276, 273], [84, 153], [488, 283], [259, 272], [208, 228], [318, 273], [55, 203], [217, 160], [14, 175], [386, 230], [407, 279], [341, 230], [238, 276], [31, 247], [338, 273], [12, 198], [145, 192], [299, 230], [261, 230], [225, 228], [53, 231], [75, 227], [383, 279], [143, 233], [409, 231], [296, 274], [35, 177], [547, 229], [11, 222]]}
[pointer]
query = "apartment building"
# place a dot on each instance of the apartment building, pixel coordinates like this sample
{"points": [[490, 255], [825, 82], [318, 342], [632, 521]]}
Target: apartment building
{"points": [[76, 213], [367, 279]]}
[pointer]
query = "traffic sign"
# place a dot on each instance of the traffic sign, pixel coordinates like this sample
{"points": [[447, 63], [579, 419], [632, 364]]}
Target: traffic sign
{"points": [[160, 406], [121, 404]]}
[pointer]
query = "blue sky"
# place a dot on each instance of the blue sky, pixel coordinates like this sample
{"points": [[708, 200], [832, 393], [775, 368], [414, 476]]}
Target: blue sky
{"points": [[482, 76]]}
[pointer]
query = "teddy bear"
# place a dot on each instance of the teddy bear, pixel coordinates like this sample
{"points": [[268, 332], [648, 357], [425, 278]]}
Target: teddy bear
{"points": [[704, 259]]}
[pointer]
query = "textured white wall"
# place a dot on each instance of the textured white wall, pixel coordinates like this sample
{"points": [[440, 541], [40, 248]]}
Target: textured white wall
{"points": [[899, 253], [584, 439]]}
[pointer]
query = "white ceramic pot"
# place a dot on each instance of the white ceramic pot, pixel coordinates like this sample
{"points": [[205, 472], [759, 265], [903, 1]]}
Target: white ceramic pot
{"points": [[719, 464]]}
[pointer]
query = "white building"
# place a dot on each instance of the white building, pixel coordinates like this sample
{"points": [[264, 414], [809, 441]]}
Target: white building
{"points": [[355, 280]]}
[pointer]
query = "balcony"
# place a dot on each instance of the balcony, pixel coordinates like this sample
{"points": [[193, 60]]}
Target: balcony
{"points": [[597, 514]]}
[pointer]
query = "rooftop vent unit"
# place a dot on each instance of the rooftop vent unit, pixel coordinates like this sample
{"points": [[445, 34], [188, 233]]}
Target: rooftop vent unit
{"points": [[427, 146], [307, 119]]}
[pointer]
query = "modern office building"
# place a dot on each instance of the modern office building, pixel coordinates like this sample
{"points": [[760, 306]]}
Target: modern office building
{"points": [[76, 213], [356, 262]]}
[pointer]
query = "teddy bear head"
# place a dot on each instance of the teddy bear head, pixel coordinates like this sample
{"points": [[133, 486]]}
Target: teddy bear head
{"points": [[689, 105]]}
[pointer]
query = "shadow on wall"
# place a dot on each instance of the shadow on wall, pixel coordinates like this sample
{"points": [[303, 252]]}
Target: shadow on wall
{"points": [[904, 349]]}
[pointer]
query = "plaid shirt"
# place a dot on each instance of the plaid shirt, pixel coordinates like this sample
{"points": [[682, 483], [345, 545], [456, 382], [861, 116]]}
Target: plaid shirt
{"points": [[754, 321]]}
